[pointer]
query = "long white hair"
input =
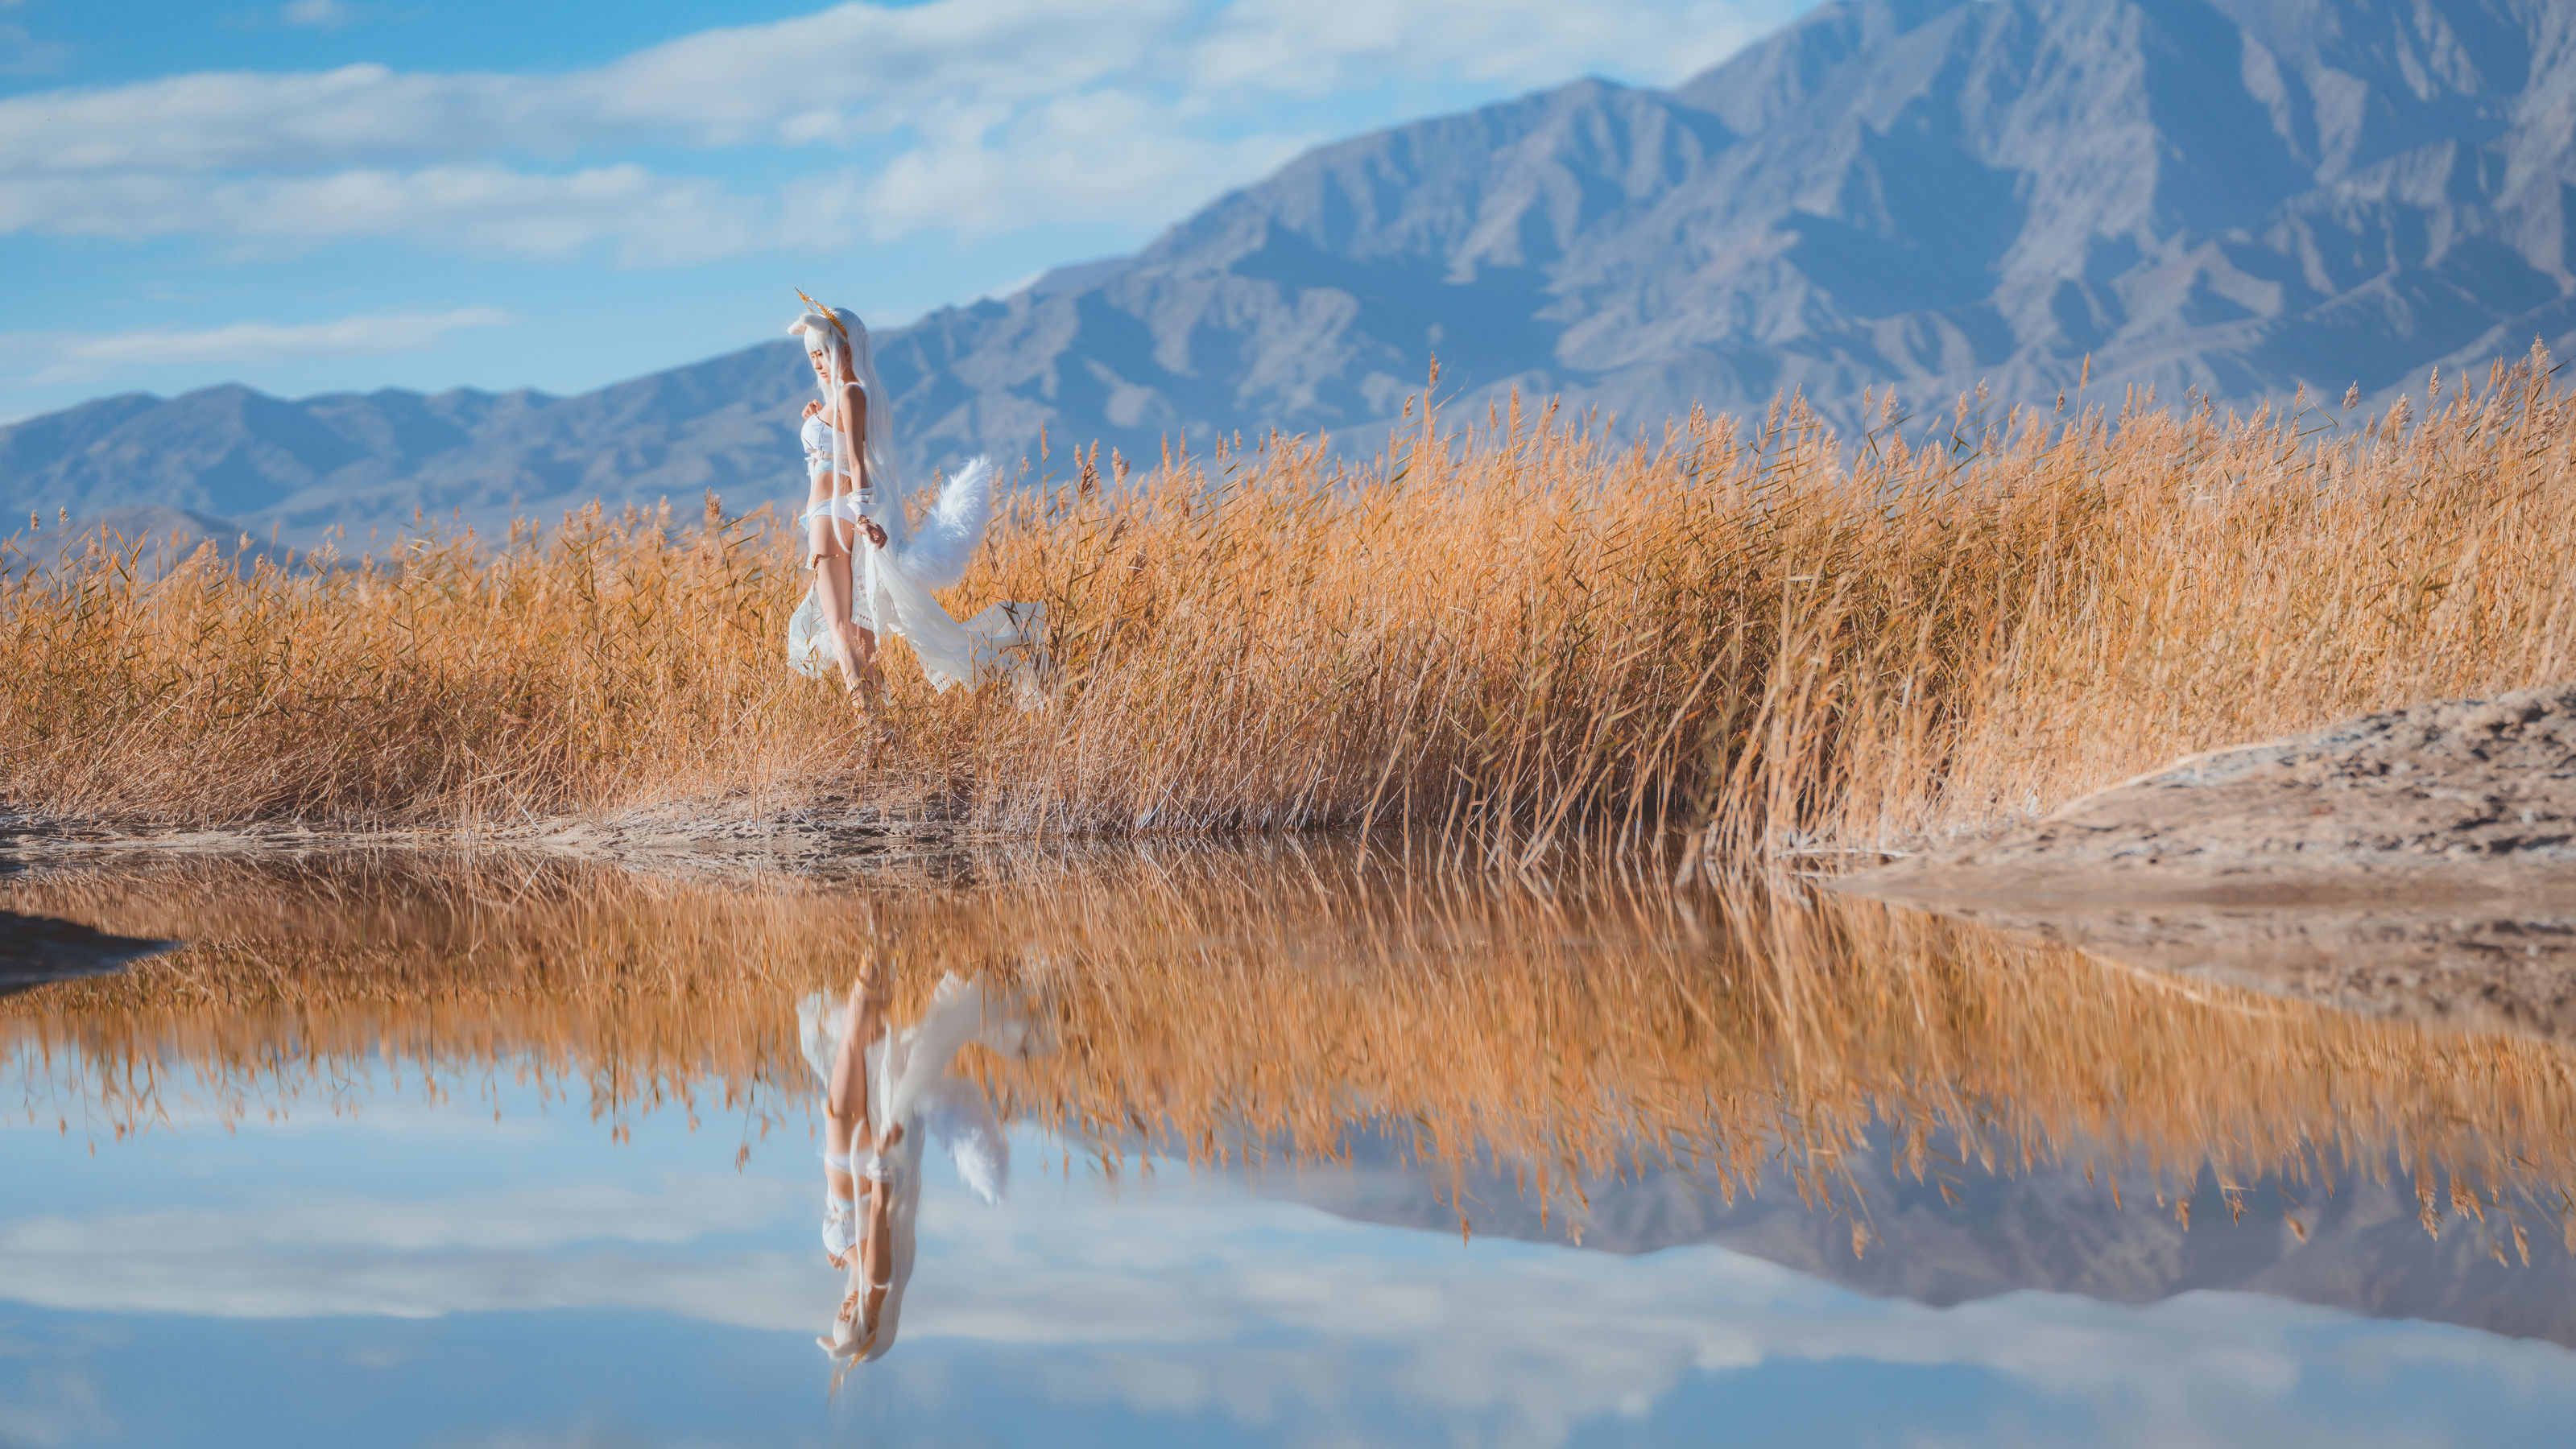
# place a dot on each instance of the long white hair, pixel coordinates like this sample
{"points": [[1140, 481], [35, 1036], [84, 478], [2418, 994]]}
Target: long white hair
{"points": [[842, 338]]}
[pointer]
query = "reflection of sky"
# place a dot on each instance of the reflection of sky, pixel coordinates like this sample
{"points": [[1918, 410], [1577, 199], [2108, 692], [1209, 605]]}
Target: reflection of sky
{"points": [[424, 1275]]}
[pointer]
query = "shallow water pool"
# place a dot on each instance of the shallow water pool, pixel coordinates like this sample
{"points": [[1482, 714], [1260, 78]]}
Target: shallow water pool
{"points": [[1320, 1147]]}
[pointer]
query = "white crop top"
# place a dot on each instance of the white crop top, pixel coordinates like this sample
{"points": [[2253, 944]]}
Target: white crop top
{"points": [[817, 438]]}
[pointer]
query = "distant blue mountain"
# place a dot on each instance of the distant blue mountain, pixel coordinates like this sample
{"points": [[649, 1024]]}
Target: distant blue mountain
{"points": [[2230, 196]]}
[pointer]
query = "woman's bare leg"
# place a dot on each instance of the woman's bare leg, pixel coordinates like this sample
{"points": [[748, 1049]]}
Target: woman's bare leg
{"points": [[873, 1269], [832, 590], [835, 589], [845, 1106]]}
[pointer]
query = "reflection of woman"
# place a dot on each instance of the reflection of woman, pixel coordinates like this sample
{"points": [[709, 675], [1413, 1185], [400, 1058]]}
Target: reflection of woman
{"points": [[874, 572], [884, 1091]]}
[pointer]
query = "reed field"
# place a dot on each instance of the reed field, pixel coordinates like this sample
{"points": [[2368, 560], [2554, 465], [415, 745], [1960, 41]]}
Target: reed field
{"points": [[1510, 638], [1275, 1004]]}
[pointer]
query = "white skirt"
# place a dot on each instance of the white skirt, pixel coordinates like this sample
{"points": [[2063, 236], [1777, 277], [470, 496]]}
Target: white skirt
{"points": [[1004, 642]]}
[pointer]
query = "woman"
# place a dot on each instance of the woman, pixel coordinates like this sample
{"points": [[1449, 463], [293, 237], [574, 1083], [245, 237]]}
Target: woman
{"points": [[885, 1091], [874, 574]]}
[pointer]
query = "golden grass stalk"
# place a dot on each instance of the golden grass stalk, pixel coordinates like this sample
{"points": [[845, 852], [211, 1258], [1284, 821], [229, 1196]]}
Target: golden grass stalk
{"points": [[1529, 637], [1224, 1004]]}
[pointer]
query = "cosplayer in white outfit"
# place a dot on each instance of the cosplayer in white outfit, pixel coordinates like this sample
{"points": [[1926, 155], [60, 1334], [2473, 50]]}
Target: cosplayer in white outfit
{"points": [[885, 1090], [873, 575]]}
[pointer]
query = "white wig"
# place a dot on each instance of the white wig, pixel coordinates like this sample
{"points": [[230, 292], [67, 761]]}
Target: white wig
{"points": [[821, 334], [842, 338]]}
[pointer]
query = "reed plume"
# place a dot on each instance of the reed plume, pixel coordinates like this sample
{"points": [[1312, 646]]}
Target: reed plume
{"points": [[1510, 639]]}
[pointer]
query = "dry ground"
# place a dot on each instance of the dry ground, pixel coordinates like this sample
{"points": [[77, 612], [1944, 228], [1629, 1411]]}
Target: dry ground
{"points": [[2420, 862]]}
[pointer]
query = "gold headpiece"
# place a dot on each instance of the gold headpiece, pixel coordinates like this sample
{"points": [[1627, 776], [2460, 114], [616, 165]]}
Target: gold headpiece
{"points": [[826, 313]]}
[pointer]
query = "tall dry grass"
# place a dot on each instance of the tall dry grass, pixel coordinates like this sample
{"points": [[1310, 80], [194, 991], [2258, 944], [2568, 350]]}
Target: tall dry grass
{"points": [[1508, 640], [1224, 1004]]}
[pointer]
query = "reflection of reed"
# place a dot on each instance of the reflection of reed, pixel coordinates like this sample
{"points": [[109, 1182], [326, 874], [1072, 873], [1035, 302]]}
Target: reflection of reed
{"points": [[1224, 998], [298, 971]]}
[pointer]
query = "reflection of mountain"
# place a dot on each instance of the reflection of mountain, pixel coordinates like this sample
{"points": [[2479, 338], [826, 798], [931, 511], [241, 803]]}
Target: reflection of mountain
{"points": [[2046, 1229], [2231, 195]]}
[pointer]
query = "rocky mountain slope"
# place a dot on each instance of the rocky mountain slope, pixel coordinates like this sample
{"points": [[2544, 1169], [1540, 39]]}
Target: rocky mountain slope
{"points": [[2232, 196]]}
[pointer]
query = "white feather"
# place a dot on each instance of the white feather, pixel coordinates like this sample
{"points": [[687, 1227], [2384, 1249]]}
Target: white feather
{"points": [[958, 1115], [946, 542]]}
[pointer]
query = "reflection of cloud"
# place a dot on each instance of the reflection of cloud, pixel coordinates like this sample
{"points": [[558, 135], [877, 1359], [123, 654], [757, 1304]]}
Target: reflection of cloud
{"points": [[518, 1219], [404, 1258], [57, 1404], [1537, 1339], [1191, 1298]]}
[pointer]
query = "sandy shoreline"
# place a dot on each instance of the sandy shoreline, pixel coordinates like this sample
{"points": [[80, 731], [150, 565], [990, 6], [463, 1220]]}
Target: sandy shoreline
{"points": [[822, 837], [2419, 863], [2457, 799]]}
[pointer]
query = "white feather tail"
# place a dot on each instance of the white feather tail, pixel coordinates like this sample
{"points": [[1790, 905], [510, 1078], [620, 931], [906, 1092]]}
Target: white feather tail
{"points": [[946, 541]]}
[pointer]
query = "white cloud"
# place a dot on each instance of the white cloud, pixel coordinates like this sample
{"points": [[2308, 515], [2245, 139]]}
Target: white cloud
{"points": [[645, 219], [1083, 157], [262, 341], [877, 69], [966, 116], [321, 14], [854, 68], [74, 357], [21, 53], [1320, 45], [60, 1407], [214, 121]]}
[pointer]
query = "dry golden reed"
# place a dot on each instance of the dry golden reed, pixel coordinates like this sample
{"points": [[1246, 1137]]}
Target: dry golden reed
{"points": [[1284, 1000], [1513, 639]]}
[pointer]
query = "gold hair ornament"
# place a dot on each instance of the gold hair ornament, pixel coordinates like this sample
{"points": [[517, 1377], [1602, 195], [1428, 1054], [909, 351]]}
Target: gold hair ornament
{"points": [[826, 313]]}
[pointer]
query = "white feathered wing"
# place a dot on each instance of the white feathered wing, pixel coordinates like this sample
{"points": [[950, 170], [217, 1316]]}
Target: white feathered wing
{"points": [[943, 545]]}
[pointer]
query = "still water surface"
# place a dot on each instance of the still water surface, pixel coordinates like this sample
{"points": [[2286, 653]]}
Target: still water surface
{"points": [[1320, 1149]]}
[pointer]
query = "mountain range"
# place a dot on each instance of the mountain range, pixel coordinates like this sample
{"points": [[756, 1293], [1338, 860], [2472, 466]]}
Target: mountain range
{"points": [[2229, 197]]}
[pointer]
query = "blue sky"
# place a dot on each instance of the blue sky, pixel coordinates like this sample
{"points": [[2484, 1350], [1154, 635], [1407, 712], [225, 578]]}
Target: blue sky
{"points": [[316, 195]]}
